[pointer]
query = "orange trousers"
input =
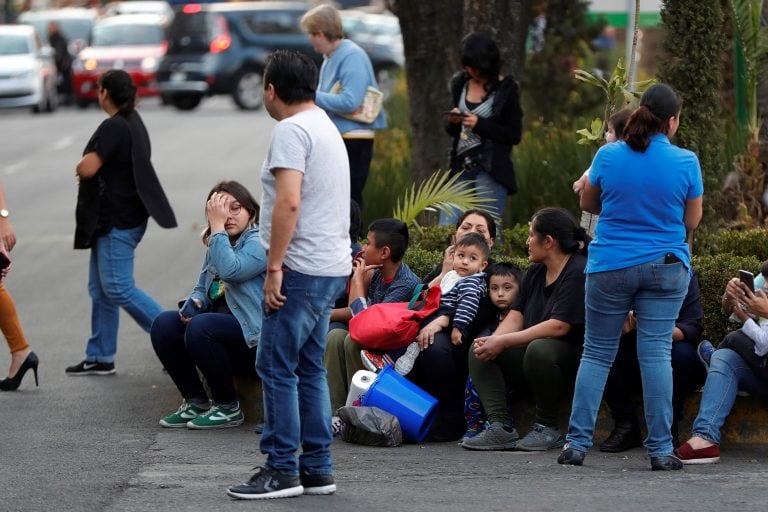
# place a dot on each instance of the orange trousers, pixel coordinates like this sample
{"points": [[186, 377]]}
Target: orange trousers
{"points": [[9, 322]]}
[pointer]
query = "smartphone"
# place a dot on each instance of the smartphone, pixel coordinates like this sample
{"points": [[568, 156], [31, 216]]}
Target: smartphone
{"points": [[4, 261], [748, 279], [189, 309], [453, 113]]}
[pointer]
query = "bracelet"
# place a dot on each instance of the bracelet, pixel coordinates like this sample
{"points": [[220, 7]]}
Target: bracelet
{"points": [[274, 270]]}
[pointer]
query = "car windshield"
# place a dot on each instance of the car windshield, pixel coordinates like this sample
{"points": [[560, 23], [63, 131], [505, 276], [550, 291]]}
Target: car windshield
{"points": [[127, 35], [72, 28], [12, 44]]}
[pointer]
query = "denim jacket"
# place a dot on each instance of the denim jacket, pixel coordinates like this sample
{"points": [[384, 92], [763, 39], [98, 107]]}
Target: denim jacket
{"points": [[241, 267]]}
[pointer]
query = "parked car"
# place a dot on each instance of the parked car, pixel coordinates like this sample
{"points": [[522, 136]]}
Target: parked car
{"points": [[27, 71], [74, 22], [379, 35], [132, 42], [221, 48]]}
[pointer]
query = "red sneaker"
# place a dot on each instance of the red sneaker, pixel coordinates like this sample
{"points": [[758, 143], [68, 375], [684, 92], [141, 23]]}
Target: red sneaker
{"points": [[708, 455], [375, 362]]}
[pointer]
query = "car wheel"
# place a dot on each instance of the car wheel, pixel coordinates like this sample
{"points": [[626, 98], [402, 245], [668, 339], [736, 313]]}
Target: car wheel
{"points": [[82, 103], [248, 90], [186, 101]]}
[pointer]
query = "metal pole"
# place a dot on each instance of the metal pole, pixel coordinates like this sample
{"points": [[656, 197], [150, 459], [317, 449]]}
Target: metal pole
{"points": [[629, 62]]}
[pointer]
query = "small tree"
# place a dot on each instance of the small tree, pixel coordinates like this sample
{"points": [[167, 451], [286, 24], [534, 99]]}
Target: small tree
{"points": [[694, 46]]}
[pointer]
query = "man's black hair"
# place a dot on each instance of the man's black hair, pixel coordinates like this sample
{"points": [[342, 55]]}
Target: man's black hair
{"points": [[390, 233], [293, 75]]}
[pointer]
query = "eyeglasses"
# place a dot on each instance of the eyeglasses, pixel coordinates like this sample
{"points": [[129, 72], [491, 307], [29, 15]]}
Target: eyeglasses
{"points": [[235, 208]]}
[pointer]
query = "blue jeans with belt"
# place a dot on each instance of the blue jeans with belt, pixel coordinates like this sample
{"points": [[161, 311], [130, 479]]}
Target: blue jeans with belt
{"points": [[111, 286], [289, 361], [655, 290]]}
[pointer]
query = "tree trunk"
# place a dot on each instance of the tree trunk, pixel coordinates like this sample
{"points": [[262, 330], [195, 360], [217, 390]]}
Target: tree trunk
{"points": [[432, 32]]}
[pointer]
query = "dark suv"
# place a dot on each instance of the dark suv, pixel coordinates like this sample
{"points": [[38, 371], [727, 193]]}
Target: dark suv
{"points": [[221, 48]]}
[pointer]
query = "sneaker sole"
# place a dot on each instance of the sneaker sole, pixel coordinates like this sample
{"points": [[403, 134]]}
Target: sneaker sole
{"points": [[229, 424], [708, 460], [524, 448], [489, 448], [320, 491], [284, 493], [165, 424], [99, 373]]}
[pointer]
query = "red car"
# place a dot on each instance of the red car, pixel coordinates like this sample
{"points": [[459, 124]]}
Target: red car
{"points": [[132, 42]]}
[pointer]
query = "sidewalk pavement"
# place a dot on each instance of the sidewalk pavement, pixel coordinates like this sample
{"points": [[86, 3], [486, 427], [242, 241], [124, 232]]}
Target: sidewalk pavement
{"points": [[190, 470]]}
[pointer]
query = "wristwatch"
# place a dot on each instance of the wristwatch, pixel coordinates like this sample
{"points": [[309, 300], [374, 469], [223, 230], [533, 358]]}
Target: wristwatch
{"points": [[4, 213]]}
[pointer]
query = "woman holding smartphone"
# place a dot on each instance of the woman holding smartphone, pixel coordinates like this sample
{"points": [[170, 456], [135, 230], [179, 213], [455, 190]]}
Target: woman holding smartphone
{"points": [[217, 327]]}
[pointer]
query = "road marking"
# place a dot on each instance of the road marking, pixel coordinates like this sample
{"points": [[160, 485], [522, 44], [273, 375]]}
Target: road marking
{"points": [[63, 143], [14, 168]]}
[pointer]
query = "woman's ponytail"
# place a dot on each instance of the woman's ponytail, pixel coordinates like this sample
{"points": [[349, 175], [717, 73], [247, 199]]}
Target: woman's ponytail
{"points": [[658, 104]]}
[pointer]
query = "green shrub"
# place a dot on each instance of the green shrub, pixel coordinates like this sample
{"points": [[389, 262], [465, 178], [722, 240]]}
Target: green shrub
{"points": [[749, 242], [714, 273], [514, 241], [431, 238], [547, 162], [421, 261]]}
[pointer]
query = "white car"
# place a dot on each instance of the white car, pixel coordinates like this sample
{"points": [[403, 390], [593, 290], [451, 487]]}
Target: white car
{"points": [[27, 70]]}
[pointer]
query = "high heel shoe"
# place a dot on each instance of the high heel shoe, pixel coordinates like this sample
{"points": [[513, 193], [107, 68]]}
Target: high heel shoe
{"points": [[13, 383]]}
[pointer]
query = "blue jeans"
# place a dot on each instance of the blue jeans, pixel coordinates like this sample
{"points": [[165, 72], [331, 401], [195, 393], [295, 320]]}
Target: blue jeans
{"points": [[486, 187], [655, 291], [289, 361], [111, 286], [212, 342], [727, 374]]}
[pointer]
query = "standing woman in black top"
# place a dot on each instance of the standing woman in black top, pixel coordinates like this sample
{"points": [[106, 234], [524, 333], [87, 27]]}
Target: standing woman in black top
{"points": [[118, 191], [485, 122]]}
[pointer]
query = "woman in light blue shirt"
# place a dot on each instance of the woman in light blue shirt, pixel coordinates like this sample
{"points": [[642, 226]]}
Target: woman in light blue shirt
{"points": [[648, 193], [345, 75]]}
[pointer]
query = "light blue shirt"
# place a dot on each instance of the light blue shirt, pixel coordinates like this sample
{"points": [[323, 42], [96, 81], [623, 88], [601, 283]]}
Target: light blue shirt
{"points": [[349, 65], [643, 198]]}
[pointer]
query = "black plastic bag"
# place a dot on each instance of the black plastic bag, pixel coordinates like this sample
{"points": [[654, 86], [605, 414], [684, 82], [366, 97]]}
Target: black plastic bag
{"points": [[370, 426]]}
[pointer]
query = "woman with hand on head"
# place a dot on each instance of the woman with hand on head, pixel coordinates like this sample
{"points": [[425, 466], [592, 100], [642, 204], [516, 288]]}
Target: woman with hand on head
{"points": [[217, 327], [118, 191], [22, 357]]}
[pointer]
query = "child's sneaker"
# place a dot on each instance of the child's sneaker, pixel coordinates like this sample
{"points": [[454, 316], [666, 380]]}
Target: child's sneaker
{"points": [[218, 417], [404, 363], [186, 412], [375, 362], [705, 350], [337, 426]]}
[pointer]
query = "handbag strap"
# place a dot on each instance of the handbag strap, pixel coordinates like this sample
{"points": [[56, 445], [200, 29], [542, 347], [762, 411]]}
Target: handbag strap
{"points": [[416, 295]]}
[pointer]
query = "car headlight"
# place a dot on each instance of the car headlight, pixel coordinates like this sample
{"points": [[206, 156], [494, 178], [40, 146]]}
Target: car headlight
{"points": [[90, 64], [149, 64]]}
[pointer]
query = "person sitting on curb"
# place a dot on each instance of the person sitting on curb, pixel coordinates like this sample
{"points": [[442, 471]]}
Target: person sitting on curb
{"points": [[739, 364], [538, 345], [687, 373], [218, 326], [461, 290], [379, 276]]}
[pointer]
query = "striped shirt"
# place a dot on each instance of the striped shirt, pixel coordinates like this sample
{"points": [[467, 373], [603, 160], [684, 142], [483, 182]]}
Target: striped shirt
{"points": [[463, 299]]}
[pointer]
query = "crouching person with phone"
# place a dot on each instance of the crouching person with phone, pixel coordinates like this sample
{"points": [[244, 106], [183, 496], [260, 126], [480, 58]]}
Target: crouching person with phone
{"points": [[740, 363], [217, 327]]}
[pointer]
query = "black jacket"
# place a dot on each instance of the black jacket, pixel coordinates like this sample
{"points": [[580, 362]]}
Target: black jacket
{"points": [[499, 132]]}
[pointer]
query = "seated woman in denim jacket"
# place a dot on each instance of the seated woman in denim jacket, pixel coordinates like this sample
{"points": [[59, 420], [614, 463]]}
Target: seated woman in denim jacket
{"points": [[218, 326]]}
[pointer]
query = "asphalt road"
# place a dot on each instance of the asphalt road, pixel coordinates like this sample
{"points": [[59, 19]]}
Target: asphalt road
{"points": [[93, 444]]}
